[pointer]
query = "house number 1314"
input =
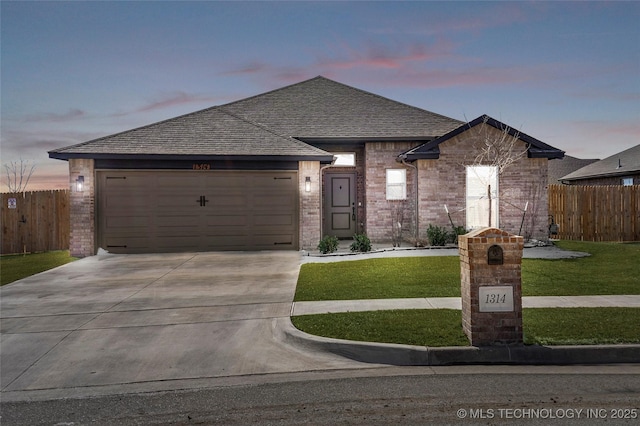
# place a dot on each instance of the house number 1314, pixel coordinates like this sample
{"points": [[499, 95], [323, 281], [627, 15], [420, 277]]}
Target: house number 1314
{"points": [[492, 298]]}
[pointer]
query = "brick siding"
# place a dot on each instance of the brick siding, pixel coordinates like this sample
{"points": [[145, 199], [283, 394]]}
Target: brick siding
{"points": [[82, 211], [443, 181], [309, 221], [380, 212]]}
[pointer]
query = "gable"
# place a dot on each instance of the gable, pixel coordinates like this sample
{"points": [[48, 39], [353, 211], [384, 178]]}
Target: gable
{"points": [[431, 150]]}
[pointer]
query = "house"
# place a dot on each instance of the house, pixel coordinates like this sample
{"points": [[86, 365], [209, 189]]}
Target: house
{"points": [[559, 167], [281, 169], [622, 168]]}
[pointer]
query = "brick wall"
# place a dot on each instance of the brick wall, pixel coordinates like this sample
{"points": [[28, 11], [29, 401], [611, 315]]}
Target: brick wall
{"points": [[443, 181], [488, 328], [309, 205], [82, 208], [381, 213]]}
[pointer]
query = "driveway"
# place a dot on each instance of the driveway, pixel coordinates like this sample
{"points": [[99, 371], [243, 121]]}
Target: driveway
{"points": [[115, 320]]}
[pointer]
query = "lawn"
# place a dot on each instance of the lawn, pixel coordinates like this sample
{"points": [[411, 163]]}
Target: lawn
{"points": [[612, 268], [443, 327], [15, 267]]}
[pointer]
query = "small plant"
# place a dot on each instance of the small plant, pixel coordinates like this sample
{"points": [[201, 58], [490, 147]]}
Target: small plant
{"points": [[361, 243], [457, 231], [328, 244], [437, 235]]}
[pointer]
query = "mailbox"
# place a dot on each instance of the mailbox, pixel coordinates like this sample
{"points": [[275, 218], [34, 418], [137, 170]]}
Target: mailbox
{"points": [[495, 255]]}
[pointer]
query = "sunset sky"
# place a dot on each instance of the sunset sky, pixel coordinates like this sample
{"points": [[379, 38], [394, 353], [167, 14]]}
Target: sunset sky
{"points": [[567, 73]]}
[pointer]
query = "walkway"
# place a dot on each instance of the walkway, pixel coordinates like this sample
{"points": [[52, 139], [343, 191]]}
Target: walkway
{"points": [[334, 306]]}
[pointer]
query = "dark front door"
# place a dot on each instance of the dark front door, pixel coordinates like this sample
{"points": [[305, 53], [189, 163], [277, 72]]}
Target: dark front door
{"points": [[340, 204]]}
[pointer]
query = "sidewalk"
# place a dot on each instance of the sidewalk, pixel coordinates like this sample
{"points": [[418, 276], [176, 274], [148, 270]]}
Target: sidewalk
{"points": [[334, 306]]}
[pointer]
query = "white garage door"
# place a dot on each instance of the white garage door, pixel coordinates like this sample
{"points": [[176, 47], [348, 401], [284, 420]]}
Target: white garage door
{"points": [[173, 211]]}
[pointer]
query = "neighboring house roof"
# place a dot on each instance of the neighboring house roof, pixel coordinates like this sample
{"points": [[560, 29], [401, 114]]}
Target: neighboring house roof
{"points": [[623, 163], [431, 150], [559, 167], [211, 132]]}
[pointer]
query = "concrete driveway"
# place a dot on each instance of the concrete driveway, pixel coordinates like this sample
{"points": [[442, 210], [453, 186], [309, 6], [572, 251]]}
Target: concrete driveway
{"points": [[114, 320]]}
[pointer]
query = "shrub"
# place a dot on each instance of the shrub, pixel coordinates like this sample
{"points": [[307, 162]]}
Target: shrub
{"points": [[361, 243], [328, 244], [437, 235], [453, 235]]}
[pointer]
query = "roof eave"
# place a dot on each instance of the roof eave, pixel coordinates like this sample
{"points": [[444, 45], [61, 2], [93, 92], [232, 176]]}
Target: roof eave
{"points": [[325, 159]]}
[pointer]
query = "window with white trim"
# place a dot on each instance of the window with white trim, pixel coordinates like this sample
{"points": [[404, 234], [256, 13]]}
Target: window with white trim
{"points": [[396, 184], [627, 181], [482, 196], [345, 159]]}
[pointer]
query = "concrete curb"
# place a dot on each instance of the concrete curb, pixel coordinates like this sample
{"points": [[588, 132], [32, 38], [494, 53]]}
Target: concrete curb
{"points": [[407, 355]]}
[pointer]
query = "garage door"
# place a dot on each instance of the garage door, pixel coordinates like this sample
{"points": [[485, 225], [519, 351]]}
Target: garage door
{"points": [[173, 211]]}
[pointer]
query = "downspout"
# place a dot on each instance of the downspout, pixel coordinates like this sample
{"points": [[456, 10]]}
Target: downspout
{"points": [[417, 197]]}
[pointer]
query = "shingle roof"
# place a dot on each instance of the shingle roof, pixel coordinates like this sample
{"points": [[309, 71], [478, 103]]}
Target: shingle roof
{"points": [[430, 150], [323, 108], [275, 123], [622, 163], [563, 166], [210, 132]]}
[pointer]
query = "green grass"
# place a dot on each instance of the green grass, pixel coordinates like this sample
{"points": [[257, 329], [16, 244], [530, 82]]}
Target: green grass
{"points": [[581, 326], [612, 268], [16, 267], [435, 327], [386, 278], [442, 327]]}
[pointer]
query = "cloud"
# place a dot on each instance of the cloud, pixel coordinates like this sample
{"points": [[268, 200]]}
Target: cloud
{"points": [[53, 117], [250, 68], [379, 56], [173, 99]]}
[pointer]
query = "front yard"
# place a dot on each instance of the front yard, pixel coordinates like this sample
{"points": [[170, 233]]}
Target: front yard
{"points": [[611, 269]]}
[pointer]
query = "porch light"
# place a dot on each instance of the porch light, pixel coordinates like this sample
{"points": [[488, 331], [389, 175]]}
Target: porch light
{"points": [[79, 183], [307, 184]]}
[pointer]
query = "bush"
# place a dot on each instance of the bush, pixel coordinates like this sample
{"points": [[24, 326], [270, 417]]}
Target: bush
{"points": [[453, 235], [437, 235], [328, 244], [361, 243]]}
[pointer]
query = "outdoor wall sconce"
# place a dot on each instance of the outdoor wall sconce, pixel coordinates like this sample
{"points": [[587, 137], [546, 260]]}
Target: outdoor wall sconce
{"points": [[307, 184], [79, 183]]}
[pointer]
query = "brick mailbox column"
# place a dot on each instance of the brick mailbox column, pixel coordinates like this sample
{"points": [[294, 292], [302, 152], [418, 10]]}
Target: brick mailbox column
{"points": [[491, 285]]}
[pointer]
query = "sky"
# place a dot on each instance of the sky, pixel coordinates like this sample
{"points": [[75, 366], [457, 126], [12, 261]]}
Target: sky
{"points": [[566, 73]]}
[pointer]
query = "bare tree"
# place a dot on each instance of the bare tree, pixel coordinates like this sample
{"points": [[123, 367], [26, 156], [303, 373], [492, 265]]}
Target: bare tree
{"points": [[497, 147], [18, 175]]}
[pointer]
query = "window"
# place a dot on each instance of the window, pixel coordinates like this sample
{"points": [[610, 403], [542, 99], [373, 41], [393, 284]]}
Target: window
{"points": [[396, 184], [345, 159], [628, 181], [482, 196]]}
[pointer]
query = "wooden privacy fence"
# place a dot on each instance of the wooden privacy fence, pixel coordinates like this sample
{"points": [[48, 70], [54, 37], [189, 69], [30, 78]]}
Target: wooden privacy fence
{"points": [[596, 213], [35, 221]]}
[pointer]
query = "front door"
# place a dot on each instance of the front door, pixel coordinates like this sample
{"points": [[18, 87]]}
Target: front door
{"points": [[340, 204]]}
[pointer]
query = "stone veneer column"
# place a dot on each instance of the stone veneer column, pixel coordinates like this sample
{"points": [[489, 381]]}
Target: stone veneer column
{"points": [[309, 222], [491, 286], [82, 208]]}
